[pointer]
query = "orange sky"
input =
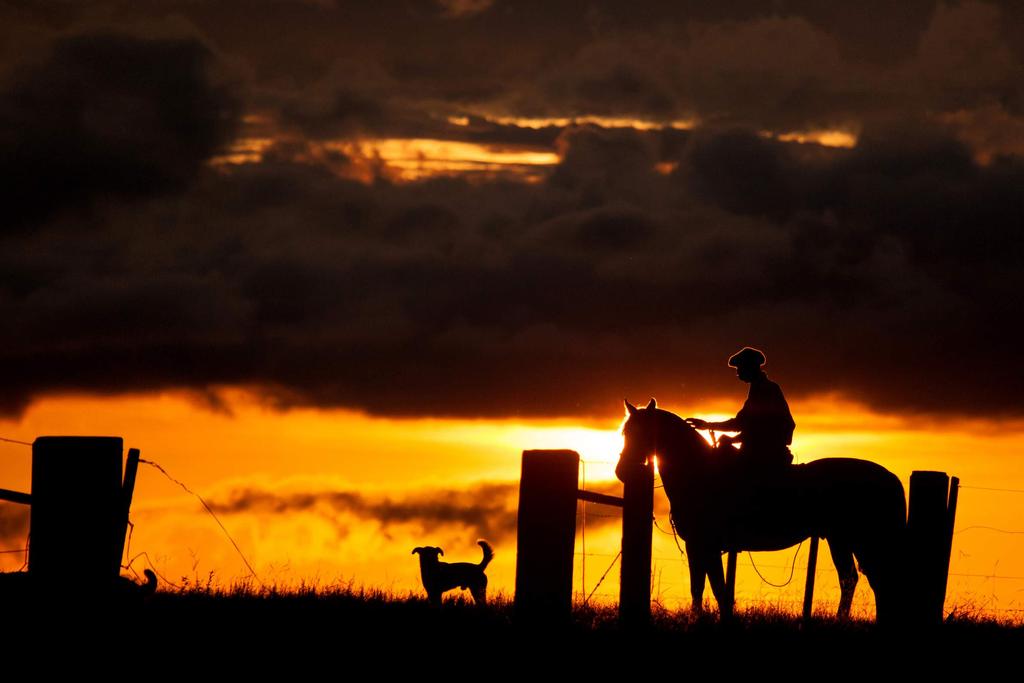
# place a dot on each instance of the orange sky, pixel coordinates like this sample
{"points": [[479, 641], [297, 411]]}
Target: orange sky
{"points": [[385, 208], [305, 451]]}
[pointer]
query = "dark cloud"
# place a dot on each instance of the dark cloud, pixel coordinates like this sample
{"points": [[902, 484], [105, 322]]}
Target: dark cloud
{"points": [[963, 60], [107, 114], [880, 272], [886, 272], [402, 68], [907, 244], [462, 8], [744, 173]]}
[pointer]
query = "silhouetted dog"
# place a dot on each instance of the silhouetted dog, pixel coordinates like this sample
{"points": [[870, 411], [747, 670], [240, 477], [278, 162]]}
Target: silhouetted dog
{"points": [[439, 577]]}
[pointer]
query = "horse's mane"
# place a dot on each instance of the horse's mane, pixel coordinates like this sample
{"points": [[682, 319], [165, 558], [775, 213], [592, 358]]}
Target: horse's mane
{"points": [[666, 414], [682, 428], [674, 420]]}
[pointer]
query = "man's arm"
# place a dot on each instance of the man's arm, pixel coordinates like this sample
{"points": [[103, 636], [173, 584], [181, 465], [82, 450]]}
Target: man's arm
{"points": [[730, 425]]}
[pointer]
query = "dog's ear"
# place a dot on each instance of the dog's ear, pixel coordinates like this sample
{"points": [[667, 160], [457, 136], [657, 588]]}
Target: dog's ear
{"points": [[416, 550], [440, 552]]}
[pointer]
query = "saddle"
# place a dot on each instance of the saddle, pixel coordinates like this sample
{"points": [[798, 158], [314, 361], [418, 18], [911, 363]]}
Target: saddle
{"points": [[752, 495]]}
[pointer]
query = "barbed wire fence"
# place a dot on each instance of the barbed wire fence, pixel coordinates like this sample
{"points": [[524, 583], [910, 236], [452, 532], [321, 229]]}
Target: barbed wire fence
{"points": [[675, 563], [128, 564], [671, 577]]}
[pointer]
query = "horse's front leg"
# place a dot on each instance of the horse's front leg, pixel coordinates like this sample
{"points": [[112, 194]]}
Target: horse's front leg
{"points": [[707, 561], [716, 575], [697, 576]]}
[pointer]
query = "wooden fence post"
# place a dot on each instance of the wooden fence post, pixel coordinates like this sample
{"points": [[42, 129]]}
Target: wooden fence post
{"points": [[637, 528], [546, 535], [812, 565], [548, 491], [730, 584], [929, 532], [77, 507], [131, 469], [947, 547]]}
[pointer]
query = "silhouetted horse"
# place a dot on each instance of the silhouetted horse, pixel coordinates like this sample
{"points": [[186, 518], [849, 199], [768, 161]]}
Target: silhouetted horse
{"points": [[857, 506]]}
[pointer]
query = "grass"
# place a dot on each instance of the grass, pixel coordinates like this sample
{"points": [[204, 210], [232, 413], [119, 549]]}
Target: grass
{"points": [[361, 608], [201, 621], [207, 590]]}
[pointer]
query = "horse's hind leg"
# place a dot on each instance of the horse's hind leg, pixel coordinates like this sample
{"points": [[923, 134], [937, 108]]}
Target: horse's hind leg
{"points": [[697, 576], [842, 556]]}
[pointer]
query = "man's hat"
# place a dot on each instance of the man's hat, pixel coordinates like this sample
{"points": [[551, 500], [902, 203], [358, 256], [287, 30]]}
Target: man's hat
{"points": [[746, 356]]}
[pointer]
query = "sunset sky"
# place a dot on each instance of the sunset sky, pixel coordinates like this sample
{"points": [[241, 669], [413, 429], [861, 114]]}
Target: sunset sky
{"points": [[335, 265]]}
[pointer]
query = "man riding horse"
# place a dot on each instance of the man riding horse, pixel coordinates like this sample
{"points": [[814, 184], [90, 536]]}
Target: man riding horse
{"points": [[745, 483], [752, 498], [764, 424]]}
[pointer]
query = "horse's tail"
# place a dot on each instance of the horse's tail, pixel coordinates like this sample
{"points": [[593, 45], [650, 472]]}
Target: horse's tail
{"points": [[882, 550]]}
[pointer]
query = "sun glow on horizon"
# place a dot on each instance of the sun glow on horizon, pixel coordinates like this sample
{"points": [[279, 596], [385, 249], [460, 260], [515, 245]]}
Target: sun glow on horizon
{"points": [[598, 448], [306, 451]]}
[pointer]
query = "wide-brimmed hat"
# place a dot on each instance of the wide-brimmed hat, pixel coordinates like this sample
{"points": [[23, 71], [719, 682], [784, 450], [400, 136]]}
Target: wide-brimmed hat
{"points": [[746, 356]]}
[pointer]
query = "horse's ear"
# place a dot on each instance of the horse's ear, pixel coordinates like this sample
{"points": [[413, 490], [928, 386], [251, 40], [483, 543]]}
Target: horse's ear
{"points": [[652, 404], [630, 408]]}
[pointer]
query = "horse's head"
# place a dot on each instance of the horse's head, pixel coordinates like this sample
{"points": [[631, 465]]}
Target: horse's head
{"points": [[651, 431], [640, 433]]}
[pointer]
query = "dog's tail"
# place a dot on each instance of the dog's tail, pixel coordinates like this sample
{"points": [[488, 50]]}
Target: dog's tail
{"points": [[488, 554]]}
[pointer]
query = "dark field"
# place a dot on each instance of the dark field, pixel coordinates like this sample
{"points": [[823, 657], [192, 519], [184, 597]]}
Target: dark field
{"points": [[244, 629]]}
